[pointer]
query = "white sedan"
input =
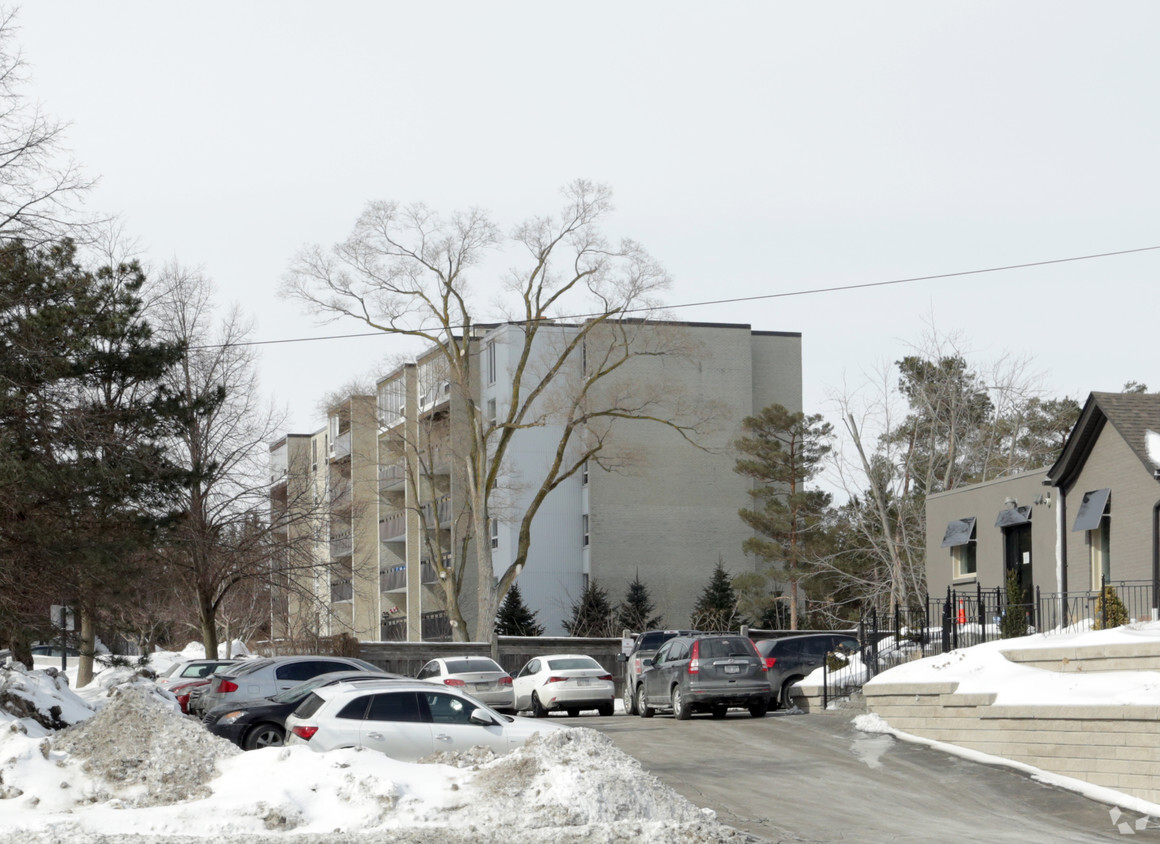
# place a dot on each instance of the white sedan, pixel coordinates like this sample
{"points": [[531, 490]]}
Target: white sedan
{"points": [[406, 721], [479, 676], [568, 682]]}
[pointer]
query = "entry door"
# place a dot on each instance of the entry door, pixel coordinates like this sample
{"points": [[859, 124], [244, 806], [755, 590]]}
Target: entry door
{"points": [[1017, 556]]}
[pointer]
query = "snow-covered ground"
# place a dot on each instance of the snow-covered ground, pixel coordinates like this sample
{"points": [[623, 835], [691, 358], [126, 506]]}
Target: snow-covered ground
{"points": [[132, 767]]}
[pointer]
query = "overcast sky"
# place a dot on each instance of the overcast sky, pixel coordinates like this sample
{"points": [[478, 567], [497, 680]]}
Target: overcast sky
{"points": [[754, 148]]}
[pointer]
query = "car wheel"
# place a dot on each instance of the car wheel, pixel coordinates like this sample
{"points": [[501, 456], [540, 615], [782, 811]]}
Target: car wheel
{"points": [[264, 735], [642, 707], [629, 697], [785, 699], [606, 709], [758, 709], [573, 713], [680, 711], [720, 711], [538, 710]]}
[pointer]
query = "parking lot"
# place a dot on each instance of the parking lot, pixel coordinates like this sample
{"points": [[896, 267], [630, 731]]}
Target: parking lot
{"points": [[815, 778]]}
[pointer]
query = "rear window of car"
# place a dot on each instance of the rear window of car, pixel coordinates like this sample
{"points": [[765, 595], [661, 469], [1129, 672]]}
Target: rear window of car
{"points": [[572, 662], [725, 646], [470, 665], [309, 706]]}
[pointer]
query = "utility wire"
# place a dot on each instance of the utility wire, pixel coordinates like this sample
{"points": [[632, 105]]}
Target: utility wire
{"points": [[810, 292]]}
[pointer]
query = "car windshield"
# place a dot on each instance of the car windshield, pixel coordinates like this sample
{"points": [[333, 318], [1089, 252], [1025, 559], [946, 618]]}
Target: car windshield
{"points": [[572, 662], [471, 664]]}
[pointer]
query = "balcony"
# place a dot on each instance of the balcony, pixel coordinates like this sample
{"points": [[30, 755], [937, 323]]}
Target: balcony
{"points": [[341, 545], [340, 448], [394, 579], [438, 512], [341, 590], [393, 528], [340, 495], [279, 464], [392, 476]]}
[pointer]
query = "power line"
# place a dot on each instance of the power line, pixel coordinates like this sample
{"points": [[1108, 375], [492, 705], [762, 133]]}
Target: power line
{"points": [[787, 294]]}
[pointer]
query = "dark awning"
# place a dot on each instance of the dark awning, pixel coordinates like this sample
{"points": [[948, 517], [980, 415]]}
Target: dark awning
{"points": [[1091, 509], [959, 532], [1013, 516]]}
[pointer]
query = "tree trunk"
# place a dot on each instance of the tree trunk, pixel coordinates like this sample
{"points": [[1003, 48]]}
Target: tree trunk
{"points": [[208, 618], [87, 647]]}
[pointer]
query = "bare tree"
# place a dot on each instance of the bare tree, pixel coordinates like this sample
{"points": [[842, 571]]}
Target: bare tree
{"points": [[404, 270], [224, 541], [39, 187]]}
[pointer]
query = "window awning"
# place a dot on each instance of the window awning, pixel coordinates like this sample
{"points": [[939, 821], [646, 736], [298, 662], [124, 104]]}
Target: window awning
{"points": [[1091, 509], [1013, 516], [959, 532]]}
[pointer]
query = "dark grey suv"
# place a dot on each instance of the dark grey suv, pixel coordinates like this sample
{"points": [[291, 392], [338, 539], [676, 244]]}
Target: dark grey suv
{"points": [[792, 659], [704, 674], [645, 645]]}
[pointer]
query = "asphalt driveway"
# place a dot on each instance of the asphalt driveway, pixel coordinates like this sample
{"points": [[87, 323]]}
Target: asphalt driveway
{"points": [[814, 778]]}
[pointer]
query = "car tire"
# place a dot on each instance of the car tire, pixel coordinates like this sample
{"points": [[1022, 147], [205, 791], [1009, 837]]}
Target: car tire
{"points": [[538, 710], [264, 735], [629, 699], [642, 707], [760, 708], [573, 713], [785, 698], [720, 711], [606, 709], [681, 710]]}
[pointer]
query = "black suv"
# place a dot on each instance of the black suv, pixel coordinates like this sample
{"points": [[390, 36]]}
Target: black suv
{"points": [[704, 673], [791, 659], [644, 646]]}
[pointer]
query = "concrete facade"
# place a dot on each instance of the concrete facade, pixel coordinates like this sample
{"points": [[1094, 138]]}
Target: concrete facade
{"points": [[660, 506]]}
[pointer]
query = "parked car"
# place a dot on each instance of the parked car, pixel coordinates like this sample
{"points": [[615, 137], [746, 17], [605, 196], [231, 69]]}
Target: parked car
{"points": [[569, 682], [645, 645], [48, 656], [791, 659], [704, 673], [187, 690], [252, 724], [196, 691], [405, 720], [181, 673], [266, 677], [480, 676]]}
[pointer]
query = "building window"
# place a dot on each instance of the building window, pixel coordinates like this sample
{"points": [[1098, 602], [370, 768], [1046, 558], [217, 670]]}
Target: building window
{"points": [[960, 538], [491, 412], [489, 361], [495, 533], [584, 473], [584, 528]]}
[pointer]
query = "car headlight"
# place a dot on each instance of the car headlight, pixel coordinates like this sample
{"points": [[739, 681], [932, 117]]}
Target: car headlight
{"points": [[230, 717]]}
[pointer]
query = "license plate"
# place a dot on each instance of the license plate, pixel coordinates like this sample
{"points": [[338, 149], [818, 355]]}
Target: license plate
{"points": [[482, 687], [732, 669], [583, 681]]}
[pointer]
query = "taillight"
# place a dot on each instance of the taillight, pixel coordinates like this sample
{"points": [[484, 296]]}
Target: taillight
{"points": [[453, 681], [636, 662], [505, 680], [769, 661], [695, 658], [183, 702], [557, 679], [226, 686], [604, 677], [304, 733], [765, 666]]}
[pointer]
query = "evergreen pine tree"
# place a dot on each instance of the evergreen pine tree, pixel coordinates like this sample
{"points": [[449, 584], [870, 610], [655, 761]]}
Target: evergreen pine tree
{"points": [[716, 609], [635, 613], [592, 614], [514, 618]]}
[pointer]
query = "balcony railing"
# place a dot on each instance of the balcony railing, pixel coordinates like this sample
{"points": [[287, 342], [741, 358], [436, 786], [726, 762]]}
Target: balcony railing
{"points": [[340, 495], [436, 627], [341, 590], [340, 448], [392, 475], [438, 512], [395, 578], [393, 528], [279, 463], [341, 545]]}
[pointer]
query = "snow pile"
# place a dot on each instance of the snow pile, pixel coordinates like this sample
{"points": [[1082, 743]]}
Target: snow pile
{"points": [[132, 768], [35, 703]]}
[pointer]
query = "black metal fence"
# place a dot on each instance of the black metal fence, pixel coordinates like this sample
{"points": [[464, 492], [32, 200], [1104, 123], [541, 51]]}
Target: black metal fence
{"points": [[963, 618]]}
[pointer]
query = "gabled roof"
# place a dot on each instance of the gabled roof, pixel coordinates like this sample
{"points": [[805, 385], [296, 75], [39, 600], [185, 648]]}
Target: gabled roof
{"points": [[1130, 414]]}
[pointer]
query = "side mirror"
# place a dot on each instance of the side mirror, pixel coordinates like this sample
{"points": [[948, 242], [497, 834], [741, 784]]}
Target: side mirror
{"points": [[648, 662], [622, 657], [481, 717]]}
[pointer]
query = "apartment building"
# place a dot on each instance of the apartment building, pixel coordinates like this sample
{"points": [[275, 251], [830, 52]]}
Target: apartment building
{"points": [[661, 502]]}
